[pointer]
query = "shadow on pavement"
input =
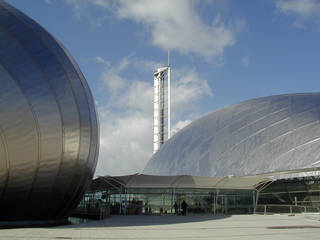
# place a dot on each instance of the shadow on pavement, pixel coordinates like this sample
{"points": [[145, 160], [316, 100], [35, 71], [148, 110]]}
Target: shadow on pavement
{"points": [[145, 220]]}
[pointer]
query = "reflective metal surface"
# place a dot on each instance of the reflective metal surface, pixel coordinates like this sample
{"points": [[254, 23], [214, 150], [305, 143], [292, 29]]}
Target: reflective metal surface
{"points": [[256, 136], [48, 123]]}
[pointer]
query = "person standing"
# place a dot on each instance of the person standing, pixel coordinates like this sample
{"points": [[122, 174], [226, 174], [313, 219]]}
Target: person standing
{"points": [[184, 206], [175, 208]]}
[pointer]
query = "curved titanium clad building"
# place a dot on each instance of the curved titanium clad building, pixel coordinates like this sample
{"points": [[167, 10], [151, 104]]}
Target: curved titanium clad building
{"points": [[48, 123], [256, 136]]}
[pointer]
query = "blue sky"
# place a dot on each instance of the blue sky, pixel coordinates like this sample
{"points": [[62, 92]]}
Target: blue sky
{"points": [[222, 52]]}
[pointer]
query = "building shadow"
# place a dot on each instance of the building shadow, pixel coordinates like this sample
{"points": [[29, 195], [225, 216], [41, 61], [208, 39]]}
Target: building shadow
{"points": [[144, 220]]}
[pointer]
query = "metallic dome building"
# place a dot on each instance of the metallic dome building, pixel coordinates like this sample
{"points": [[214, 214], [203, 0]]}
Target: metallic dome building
{"points": [[261, 135], [49, 132]]}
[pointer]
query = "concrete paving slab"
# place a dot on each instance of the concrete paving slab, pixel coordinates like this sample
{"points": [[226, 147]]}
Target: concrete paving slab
{"points": [[240, 227]]}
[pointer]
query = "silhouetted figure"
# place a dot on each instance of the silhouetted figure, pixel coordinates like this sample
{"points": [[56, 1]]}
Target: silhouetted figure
{"points": [[184, 206], [146, 208], [175, 208]]}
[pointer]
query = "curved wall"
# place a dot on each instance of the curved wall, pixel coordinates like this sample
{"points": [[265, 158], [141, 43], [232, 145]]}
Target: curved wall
{"points": [[48, 123], [256, 136]]}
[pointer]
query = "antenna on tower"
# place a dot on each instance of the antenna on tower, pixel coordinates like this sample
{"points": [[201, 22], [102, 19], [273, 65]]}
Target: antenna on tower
{"points": [[168, 57]]}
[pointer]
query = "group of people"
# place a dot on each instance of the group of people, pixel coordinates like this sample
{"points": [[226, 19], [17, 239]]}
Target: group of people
{"points": [[184, 206]]}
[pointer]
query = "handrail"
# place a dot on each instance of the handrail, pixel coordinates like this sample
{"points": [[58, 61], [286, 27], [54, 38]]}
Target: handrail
{"points": [[285, 208]]}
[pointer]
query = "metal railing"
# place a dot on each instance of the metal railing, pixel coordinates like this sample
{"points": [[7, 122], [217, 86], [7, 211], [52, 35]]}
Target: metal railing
{"points": [[288, 209]]}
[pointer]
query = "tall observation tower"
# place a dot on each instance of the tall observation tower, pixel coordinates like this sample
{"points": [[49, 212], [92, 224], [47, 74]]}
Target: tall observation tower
{"points": [[161, 113]]}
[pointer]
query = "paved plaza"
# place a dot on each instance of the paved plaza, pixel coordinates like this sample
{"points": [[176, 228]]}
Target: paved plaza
{"points": [[246, 227]]}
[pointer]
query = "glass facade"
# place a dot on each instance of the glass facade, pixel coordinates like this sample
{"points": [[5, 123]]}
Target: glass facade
{"points": [[162, 201], [294, 195], [291, 195]]}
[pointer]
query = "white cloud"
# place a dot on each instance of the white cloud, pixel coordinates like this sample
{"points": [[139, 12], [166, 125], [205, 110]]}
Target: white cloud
{"points": [[126, 123], [113, 81], [138, 97], [245, 61], [176, 25], [78, 6], [82, 4], [173, 25], [125, 142], [48, 1], [100, 3], [96, 15], [147, 65], [111, 76], [303, 10], [187, 89], [99, 59]]}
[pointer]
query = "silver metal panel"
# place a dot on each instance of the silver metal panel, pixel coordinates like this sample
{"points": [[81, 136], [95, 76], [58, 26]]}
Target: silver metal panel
{"points": [[43, 105], [261, 135], [20, 136], [48, 123]]}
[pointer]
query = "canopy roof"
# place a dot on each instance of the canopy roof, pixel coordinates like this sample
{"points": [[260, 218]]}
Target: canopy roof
{"points": [[181, 181], [253, 182]]}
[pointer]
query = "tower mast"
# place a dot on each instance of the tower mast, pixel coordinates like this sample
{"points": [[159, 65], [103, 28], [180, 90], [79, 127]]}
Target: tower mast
{"points": [[161, 113], [169, 95]]}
